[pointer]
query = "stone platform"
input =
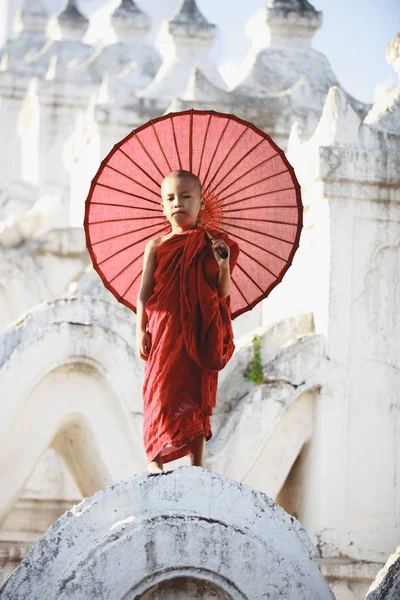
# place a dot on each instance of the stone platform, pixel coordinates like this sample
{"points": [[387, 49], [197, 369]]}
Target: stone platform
{"points": [[184, 534]]}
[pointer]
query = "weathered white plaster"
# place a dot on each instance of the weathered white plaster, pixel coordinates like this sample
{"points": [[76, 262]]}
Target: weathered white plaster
{"points": [[39, 269], [188, 530], [283, 408], [349, 170], [47, 494], [15, 230]]}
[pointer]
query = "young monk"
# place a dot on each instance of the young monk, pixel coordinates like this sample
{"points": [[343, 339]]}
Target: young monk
{"points": [[184, 330]]}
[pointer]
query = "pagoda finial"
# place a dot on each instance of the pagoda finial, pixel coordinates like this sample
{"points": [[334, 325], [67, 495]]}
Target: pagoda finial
{"points": [[32, 18], [190, 22], [72, 23], [192, 35], [291, 22], [299, 6], [128, 20]]}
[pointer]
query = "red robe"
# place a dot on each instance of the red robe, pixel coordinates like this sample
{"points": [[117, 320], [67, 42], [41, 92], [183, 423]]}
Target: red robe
{"points": [[191, 340]]}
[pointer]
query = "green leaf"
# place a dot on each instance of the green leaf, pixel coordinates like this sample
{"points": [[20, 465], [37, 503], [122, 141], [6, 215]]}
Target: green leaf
{"points": [[256, 374]]}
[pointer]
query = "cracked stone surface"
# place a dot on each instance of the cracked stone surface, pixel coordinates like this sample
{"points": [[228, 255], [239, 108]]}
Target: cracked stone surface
{"points": [[296, 363], [190, 532], [387, 583]]}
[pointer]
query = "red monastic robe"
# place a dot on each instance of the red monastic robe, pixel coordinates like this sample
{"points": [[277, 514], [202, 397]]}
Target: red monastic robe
{"points": [[191, 340]]}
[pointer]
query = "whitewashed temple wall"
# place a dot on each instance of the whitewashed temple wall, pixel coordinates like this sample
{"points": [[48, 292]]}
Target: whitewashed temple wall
{"points": [[345, 487], [341, 454], [11, 165]]}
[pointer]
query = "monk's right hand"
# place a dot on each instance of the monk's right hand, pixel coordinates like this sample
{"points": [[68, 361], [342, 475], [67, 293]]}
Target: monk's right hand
{"points": [[143, 342]]}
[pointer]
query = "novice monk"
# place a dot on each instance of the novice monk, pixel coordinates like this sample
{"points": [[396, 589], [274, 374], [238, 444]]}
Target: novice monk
{"points": [[184, 327]]}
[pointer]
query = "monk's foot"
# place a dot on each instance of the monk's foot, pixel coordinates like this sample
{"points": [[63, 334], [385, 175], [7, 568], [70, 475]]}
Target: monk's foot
{"points": [[153, 467], [196, 462]]}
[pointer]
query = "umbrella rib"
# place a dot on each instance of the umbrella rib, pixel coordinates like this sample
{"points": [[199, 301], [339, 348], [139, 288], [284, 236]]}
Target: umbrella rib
{"points": [[249, 277], [159, 143], [204, 144], [262, 221], [132, 282], [220, 200], [236, 164], [258, 207], [261, 194], [234, 167], [113, 237], [215, 150], [110, 187], [261, 265], [252, 169], [274, 237], [149, 156], [217, 173], [176, 143], [239, 290], [126, 248], [257, 246], [131, 179], [219, 168], [123, 219], [138, 166], [157, 210]]}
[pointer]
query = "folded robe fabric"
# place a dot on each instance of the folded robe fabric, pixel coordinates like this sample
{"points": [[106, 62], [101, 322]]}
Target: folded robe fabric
{"points": [[191, 340]]}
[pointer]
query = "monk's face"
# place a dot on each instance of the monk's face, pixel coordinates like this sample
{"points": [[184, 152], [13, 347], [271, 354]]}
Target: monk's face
{"points": [[181, 200]]}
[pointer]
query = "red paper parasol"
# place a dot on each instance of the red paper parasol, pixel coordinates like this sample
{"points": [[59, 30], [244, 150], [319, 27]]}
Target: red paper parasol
{"points": [[250, 189]]}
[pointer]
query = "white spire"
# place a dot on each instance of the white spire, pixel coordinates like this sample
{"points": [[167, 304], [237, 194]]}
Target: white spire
{"points": [[31, 18], [200, 89], [191, 38], [339, 123], [129, 21], [281, 35], [190, 22], [72, 23], [291, 22]]}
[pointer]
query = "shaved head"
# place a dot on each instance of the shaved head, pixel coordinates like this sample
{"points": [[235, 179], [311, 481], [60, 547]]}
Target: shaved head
{"points": [[181, 174]]}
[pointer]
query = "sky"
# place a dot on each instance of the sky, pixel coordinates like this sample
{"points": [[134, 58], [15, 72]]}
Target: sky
{"points": [[353, 36]]}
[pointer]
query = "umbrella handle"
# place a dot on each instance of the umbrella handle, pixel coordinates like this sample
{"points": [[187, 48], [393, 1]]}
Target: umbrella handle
{"points": [[221, 251]]}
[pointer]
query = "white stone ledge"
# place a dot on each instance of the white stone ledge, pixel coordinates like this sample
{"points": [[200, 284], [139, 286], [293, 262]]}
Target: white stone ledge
{"points": [[347, 569]]}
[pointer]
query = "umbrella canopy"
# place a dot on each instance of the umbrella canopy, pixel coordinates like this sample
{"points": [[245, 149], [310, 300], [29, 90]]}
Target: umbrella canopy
{"points": [[250, 189]]}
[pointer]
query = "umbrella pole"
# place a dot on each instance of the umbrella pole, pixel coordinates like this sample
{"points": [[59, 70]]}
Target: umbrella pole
{"points": [[223, 253]]}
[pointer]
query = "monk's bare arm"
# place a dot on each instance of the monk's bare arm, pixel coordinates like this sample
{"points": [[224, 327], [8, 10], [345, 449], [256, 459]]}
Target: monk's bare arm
{"points": [[224, 281], [224, 275], [143, 338]]}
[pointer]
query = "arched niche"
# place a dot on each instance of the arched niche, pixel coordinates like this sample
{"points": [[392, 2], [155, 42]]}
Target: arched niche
{"points": [[75, 409], [185, 584]]}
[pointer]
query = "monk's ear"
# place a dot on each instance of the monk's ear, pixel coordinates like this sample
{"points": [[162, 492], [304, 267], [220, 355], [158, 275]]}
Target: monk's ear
{"points": [[202, 203], [162, 206]]}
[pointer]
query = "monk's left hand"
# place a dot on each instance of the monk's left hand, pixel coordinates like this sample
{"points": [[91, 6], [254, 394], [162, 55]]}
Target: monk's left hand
{"points": [[223, 246]]}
